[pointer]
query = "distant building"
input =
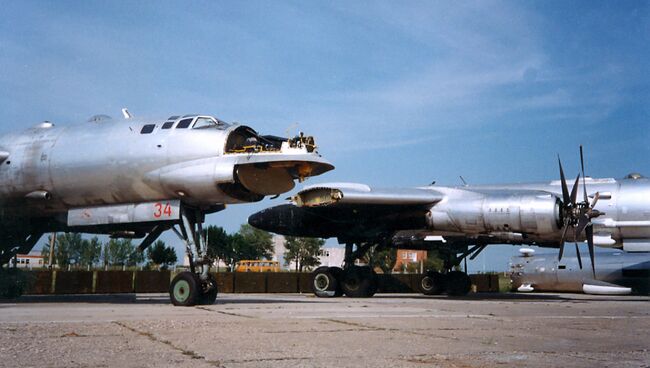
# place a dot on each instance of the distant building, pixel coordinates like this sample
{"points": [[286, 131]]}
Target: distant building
{"points": [[332, 257], [407, 256], [327, 257], [31, 260]]}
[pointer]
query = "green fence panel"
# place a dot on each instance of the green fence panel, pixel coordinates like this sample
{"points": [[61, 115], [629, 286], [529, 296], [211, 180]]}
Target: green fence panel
{"points": [[250, 282], [306, 283], [73, 282], [152, 281], [39, 282], [225, 282], [111, 282], [389, 283], [282, 282]]}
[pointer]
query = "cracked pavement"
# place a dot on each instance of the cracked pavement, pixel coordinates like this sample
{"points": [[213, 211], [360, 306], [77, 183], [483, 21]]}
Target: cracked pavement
{"points": [[279, 330]]}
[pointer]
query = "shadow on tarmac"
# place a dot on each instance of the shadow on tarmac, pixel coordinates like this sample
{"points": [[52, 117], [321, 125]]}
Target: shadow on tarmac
{"points": [[308, 298]]}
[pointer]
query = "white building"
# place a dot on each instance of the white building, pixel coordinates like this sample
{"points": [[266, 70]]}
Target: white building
{"points": [[31, 260], [328, 256]]}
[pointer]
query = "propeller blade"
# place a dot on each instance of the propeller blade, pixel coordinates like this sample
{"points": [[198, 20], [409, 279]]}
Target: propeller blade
{"points": [[584, 183], [565, 190], [574, 190], [590, 241], [578, 255], [583, 222], [566, 227]]}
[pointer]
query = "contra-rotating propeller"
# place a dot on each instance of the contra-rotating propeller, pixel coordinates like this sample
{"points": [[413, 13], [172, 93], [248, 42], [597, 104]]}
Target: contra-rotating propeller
{"points": [[578, 214]]}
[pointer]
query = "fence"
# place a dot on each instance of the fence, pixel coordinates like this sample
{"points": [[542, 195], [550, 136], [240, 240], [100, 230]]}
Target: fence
{"points": [[110, 282]]}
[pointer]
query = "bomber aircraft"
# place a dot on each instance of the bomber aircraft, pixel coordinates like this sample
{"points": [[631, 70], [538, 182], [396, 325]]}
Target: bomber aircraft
{"points": [[461, 221], [134, 178]]}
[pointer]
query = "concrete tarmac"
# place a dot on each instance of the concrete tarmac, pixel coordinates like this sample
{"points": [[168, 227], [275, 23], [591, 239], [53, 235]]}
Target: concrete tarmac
{"points": [[292, 330]]}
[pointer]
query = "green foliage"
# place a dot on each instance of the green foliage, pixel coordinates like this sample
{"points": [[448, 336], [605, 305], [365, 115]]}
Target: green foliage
{"points": [[412, 267], [13, 282], [382, 257], [71, 249], [303, 251], [258, 243], [121, 252], [161, 255], [434, 261], [248, 243]]}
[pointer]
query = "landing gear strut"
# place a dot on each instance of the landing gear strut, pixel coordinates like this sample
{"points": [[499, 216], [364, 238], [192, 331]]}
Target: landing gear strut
{"points": [[196, 286]]}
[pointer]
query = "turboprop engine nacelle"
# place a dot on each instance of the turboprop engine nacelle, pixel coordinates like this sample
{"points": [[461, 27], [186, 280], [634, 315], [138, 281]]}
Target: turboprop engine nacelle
{"points": [[496, 213]]}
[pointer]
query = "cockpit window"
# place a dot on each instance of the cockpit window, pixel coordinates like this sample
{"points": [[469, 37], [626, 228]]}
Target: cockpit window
{"points": [[167, 125], [147, 129], [202, 123], [184, 123]]}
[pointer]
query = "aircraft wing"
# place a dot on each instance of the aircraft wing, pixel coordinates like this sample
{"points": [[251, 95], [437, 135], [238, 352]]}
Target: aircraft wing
{"points": [[348, 211], [333, 194]]}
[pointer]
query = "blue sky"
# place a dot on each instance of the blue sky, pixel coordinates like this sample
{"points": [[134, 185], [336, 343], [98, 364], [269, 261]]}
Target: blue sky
{"points": [[396, 94]]}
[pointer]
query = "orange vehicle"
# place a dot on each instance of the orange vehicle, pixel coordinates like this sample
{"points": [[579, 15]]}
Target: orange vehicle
{"points": [[257, 266]]}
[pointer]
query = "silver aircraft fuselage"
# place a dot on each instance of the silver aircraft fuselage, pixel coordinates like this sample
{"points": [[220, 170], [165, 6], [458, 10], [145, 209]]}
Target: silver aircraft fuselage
{"points": [[114, 169], [530, 213], [481, 214]]}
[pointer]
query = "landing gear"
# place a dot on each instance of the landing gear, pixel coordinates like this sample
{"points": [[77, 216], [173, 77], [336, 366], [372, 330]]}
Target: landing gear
{"points": [[359, 282], [433, 283], [184, 289], [352, 280], [326, 283], [197, 286], [208, 291]]}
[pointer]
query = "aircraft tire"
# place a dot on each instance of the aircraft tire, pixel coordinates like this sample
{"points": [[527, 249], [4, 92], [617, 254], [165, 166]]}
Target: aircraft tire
{"points": [[433, 283], [324, 282], [208, 298], [184, 289], [359, 282], [337, 272], [458, 283]]}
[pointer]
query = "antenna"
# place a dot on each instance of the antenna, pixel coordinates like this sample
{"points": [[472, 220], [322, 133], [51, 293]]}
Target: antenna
{"points": [[290, 128], [463, 180], [126, 113]]}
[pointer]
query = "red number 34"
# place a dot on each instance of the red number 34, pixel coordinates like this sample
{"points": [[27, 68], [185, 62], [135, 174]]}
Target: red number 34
{"points": [[161, 210]]}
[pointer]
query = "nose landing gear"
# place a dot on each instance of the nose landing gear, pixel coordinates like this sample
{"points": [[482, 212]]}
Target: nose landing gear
{"points": [[196, 286]]}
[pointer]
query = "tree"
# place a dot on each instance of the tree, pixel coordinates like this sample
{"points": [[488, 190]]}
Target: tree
{"points": [[161, 255], [71, 249], [303, 251], [256, 244], [67, 249], [219, 243], [382, 257], [121, 252], [247, 243], [90, 252]]}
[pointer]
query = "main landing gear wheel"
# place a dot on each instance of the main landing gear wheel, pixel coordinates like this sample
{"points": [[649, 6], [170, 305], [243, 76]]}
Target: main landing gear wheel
{"points": [[458, 283], [325, 282], [208, 291], [433, 283], [184, 289], [359, 282]]}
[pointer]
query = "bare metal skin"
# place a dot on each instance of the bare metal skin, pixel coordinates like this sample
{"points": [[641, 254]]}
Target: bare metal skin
{"points": [[135, 178], [612, 213]]}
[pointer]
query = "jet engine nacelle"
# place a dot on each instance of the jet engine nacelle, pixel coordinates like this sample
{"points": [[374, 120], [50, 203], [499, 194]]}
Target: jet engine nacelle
{"points": [[498, 214]]}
